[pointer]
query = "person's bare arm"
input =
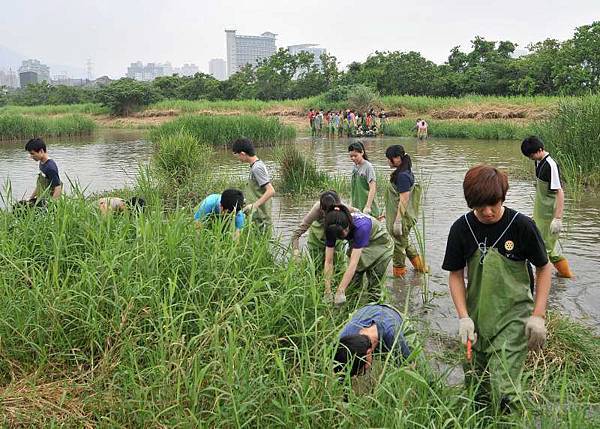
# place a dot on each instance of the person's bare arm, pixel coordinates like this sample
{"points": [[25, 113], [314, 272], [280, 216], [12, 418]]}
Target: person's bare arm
{"points": [[371, 196], [350, 270], [269, 192], [456, 283], [543, 281], [307, 221], [328, 268], [403, 204]]}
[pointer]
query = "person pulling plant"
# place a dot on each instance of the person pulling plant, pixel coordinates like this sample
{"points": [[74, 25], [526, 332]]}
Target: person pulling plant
{"points": [[370, 250], [402, 204], [496, 310], [364, 186], [549, 201], [230, 202]]}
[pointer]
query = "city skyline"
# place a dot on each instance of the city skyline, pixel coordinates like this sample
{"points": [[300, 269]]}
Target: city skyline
{"points": [[196, 36]]}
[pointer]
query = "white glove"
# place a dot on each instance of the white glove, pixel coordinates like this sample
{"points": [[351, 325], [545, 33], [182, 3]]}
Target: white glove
{"points": [[296, 253], [535, 330], [466, 330], [367, 210], [340, 298], [248, 208], [397, 228], [555, 226]]}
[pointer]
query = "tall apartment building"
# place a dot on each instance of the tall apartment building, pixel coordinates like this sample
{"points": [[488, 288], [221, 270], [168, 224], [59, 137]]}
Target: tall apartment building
{"points": [[311, 48], [9, 79], [187, 70], [242, 50], [150, 71], [217, 68], [35, 66]]}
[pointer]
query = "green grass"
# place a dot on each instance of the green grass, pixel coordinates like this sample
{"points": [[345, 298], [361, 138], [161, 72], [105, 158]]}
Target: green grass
{"points": [[465, 129], [572, 136], [144, 321], [222, 130], [14, 126], [299, 175], [60, 109]]}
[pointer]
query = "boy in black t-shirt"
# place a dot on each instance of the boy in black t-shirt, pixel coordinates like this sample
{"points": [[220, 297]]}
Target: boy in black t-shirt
{"points": [[496, 310], [48, 181], [549, 201]]}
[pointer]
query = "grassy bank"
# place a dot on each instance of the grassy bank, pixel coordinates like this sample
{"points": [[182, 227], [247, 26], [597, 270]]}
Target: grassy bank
{"points": [[14, 126], [465, 129], [221, 130], [136, 321], [60, 109]]}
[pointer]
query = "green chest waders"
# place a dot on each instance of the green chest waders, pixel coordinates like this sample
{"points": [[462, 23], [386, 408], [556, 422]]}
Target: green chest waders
{"points": [[360, 194], [374, 258], [499, 301], [261, 216], [543, 213], [402, 245], [315, 243]]}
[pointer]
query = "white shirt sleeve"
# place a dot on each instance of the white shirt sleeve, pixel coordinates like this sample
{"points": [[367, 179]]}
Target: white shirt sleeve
{"points": [[554, 175]]}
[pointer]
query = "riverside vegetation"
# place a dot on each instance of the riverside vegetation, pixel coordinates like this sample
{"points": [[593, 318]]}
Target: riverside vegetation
{"points": [[14, 126], [136, 320]]}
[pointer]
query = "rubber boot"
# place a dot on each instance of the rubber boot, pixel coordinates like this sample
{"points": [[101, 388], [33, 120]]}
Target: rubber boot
{"points": [[419, 265], [563, 269], [400, 271]]}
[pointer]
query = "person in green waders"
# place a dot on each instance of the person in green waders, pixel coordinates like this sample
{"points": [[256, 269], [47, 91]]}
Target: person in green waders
{"points": [[496, 310], [259, 190], [48, 182], [370, 250], [402, 204], [364, 185], [313, 222], [549, 201]]}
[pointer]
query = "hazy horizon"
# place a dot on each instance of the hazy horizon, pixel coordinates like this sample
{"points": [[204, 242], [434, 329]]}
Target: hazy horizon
{"points": [[116, 33]]}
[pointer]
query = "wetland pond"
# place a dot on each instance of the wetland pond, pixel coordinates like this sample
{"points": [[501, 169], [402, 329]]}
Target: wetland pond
{"points": [[110, 159]]}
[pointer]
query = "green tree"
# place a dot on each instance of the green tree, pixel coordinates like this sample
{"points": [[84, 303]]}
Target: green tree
{"points": [[200, 86], [125, 96], [241, 85]]}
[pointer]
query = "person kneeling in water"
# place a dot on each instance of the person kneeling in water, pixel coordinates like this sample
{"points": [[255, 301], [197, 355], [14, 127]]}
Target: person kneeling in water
{"points": [[374, 328], [370, 249]]}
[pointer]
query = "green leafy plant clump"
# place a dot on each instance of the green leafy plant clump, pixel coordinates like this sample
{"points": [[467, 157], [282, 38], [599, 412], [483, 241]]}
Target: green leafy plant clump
{"points": [[298, 174], [14, 126], [220, 130]]}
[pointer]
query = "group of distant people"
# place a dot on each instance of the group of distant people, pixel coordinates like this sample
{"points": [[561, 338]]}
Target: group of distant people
{"points": [[501, 306], [346, 123]]}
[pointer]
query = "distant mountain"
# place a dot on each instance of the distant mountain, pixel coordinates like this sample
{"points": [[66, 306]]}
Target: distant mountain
{"points": [[12, 59]]}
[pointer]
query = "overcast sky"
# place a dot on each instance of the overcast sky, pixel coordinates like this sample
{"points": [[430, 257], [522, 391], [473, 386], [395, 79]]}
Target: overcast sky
{"points": [[114, 33]]}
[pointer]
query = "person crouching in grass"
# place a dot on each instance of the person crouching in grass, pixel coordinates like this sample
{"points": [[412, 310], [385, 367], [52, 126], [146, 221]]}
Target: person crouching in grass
{"points": [[230, 202]]}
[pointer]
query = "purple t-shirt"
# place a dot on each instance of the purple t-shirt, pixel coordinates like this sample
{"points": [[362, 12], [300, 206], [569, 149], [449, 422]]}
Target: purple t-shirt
{"points": [[359, 233]]}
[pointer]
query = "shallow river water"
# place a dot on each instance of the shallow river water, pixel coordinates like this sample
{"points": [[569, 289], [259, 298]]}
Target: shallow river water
{"points": [[110, 159]]}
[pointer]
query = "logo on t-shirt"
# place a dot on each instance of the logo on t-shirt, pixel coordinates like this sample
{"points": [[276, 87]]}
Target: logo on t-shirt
{"points": [[509, 245]]}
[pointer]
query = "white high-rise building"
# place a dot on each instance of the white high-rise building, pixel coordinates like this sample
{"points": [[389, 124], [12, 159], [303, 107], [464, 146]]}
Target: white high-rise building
{"points": [[9, 79], [242, 50], [217, 68], [35, 66], [311, 49]]}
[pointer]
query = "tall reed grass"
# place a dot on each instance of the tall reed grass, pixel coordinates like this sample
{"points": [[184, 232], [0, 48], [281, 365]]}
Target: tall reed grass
{"points": [[299, 174], [464, 129], [21, 126], [222, 130], [142, 320], [572, 136]]}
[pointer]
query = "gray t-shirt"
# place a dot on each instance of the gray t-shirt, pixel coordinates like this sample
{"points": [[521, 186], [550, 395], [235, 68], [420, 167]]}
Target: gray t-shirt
{"points": [[259, 173], [365, 170]]}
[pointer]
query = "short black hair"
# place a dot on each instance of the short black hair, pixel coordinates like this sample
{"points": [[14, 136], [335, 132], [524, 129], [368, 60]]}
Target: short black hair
{"points": [[136, 203], [243, 145], [531, 145], [232, 200], [35, 145], [351, 350]]}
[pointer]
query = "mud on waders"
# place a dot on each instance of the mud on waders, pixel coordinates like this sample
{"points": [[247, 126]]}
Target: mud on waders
{"points": [[543, 213], [499, 301]]}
